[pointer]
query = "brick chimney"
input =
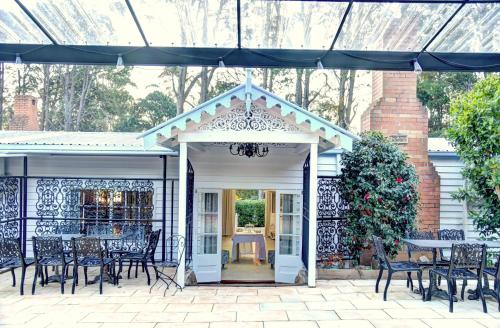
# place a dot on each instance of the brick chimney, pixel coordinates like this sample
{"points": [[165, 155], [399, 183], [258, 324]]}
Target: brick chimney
{"points": [[398, 114], [25, 114]]}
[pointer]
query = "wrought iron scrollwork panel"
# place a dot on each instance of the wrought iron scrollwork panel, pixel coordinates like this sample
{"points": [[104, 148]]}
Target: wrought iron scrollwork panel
{"points": [[9, 229], [330, 204], [9, 198], [330, 236]]}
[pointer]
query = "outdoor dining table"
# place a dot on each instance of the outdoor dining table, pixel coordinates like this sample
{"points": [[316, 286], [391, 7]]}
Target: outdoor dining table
{"points": [[257, 238], [436, 244]]}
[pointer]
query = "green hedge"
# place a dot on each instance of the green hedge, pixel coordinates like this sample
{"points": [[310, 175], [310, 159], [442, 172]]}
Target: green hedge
{"points": [[250, 211]]}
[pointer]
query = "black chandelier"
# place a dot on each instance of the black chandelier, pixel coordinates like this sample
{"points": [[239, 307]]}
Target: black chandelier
{"points": [[248, 149]]}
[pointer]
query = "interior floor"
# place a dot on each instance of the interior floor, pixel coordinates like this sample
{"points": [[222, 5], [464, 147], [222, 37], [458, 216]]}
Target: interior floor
{"points": [[246, 269]]}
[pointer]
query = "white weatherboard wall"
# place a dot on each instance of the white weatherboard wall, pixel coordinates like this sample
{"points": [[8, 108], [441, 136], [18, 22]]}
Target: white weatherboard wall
{"points": [[106, 168], [452, 213], [328, 165]]}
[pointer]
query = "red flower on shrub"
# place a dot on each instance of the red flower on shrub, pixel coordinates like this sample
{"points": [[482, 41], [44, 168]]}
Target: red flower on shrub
{"points": [[367, 196], [379, 199], [399, 179], [396, 242]]}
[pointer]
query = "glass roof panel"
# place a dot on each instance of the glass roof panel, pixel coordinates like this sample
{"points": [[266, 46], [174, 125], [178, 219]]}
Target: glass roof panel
{"points": [[290, 24], [392, 26], [194, 23], [92, 22], [17, 27], [476, 28]]}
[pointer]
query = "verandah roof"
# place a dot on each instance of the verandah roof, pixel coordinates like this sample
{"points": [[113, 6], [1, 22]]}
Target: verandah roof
{"points": [[362, 34]]}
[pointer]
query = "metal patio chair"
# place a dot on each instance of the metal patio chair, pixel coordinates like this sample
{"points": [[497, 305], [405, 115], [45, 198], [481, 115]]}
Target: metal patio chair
{"points": [[49, 251], [410, 248], [175, 248], [448, 234], [11, 257], [145, 256], [392, 267], [135, 241], [464, 260], [88, 252], [99, 229], [495, 273]]}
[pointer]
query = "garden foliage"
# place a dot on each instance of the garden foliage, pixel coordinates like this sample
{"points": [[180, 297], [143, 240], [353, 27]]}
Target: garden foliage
{"points": [[250, 211], [475, 133], [381, 189]]}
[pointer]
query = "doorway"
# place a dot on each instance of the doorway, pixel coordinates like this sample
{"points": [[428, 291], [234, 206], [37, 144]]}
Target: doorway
{"points": [[248, 235]]}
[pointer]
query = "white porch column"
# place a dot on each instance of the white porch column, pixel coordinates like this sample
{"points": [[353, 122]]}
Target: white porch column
{"points": [[313, 189], [181, 273]]}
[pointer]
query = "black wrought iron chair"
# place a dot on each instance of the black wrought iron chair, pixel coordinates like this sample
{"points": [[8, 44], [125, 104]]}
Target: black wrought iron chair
{"points": [[448, 234], [99, 229], [175, 247], [49, 251], [147, 255], [11, 257], [392, 267], [464, 260], [134, 241], [410, 248], [495, 273], [88, 252], [69, 227]]}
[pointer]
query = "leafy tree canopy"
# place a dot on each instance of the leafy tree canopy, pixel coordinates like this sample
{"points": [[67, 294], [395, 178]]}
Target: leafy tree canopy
{"points": [[475, 133], [381, 189]]}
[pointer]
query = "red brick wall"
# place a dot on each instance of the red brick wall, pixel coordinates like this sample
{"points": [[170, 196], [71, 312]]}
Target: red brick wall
{"points": [[25, 114], [395, 110]]}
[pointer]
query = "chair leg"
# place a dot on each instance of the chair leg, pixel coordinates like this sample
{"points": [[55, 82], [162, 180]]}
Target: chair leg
{"points": [[380, 272], [481, 294], [85, 276], [75, 278], [389, 276], [154, 267], [145, 267], [497, 283], [34, 279], [101, 273], [46, 275], [23, 276], [431, 285], [462, 293], [439, 280], [129, 269], [450, 294], [137, 268], [63, 276], [120, 268], [421, 285], [13, 277], [410, 281]]}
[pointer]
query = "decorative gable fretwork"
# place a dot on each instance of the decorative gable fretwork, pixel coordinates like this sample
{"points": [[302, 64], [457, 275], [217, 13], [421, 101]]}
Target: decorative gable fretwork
{"points": [[239, 119]]}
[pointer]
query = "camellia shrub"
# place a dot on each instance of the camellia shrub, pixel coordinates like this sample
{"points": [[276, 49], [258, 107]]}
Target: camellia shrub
{"points": [[250, 211], [475, 133], [380, 187]]}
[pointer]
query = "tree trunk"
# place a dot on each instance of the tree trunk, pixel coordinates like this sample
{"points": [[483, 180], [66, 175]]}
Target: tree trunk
{"points": [[298, 87], [350, 112], [181, 88], [45, 96], [68, 96], [307, 82], [86, 83], [2, 84], [341, 105]]}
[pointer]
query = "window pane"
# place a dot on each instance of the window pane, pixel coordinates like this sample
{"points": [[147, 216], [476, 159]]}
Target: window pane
{"points": [[210, 244], [93, 22], [209, 223], [286, 245], [197, 23], [286, 224], [290, 24], [290, 203], [476, 28], [17, 27], [211, 202], [392, 26]]}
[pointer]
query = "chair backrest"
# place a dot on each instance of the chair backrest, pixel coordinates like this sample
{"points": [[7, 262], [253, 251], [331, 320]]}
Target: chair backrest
{"points": [[451, 234], [48, 247], [154, 237], [467, 256], [69, 227], [100, 229], [10, 248], [378, 244], [89, 247], [414, 234], [175, 246]]}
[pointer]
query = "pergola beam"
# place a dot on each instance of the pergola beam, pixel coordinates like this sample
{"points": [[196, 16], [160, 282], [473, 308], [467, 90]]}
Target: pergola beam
{"points": [[341, 25], [36, 21], [137, 23], [234, 57]]}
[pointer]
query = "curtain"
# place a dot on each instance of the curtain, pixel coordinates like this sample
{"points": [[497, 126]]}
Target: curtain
{"points": [[270, 213], [228, 212]]}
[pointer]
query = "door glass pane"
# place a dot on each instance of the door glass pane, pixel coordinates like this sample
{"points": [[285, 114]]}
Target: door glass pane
{"points": [[290, 224], [208, 223]]}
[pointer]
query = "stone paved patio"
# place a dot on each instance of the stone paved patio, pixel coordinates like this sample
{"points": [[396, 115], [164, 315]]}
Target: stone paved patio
{"points": [[334, 303]]}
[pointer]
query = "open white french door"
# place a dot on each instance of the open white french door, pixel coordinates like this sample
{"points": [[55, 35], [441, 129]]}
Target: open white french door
{"points": [[288, 235], [208, 235]]}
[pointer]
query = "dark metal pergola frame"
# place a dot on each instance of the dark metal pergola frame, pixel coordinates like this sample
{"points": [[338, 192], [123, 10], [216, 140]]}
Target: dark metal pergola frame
{"points": [[257, 57]]}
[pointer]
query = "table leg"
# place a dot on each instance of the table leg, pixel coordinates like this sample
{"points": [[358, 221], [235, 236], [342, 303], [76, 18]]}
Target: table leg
{"points": [[436, 291]]}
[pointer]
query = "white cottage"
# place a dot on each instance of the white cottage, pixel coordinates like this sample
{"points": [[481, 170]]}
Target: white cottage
{"points": [[181, 176]]}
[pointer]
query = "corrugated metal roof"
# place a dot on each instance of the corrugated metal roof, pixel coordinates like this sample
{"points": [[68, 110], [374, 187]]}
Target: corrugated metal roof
{"points": [[61, 142], [440, 145]]}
